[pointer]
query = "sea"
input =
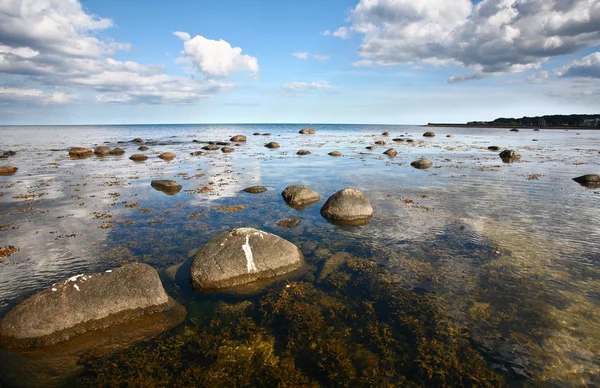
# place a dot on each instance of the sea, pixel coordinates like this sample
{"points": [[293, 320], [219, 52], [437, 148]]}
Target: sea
{"points": [[508, 253]]}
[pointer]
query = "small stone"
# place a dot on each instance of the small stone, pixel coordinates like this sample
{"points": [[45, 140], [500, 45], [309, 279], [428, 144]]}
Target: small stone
{"points": [[385, 134], [300, 196], [137, 140], [391, 152], [255, 189], [256, 134], [196, 153], [238, 138], [102, 150], [303, 152], [266, 134], [509, 156], [449, 135], [117, 151], [168, 187], [80, 152], [335, 153], [429, 134], [272, 145], [8, 170], [307, 131], [493, 148], [143, 148], [370, 147], [223, 143], [167, 156], [514, 130], [227, 149], [289, 222], [398, 139], [380, 142], [138, 157], [9, 153], [422, 163], [211, 147]]}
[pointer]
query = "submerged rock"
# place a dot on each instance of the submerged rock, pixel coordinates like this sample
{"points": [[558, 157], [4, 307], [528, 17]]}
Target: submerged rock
{"points": [[143, 148], [117, 151], [300, 196], [168, 187], [272, 145], [289, 222], [242, 256], [255, 189], [509, 156], [429, 134], [167, 156], [589, 180], [303, 152], [335, 153], [8, 170], [138, 157], [348, 206], [102, 151], [238, 138], [85, 303], [391, 152], [80, 152], [422, 163], [307, 131]]}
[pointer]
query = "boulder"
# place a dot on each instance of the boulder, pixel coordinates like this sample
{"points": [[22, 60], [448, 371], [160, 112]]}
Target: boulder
{"points": [[335, 153], [117, 151], [307, 131], [168, 187], [398, 139], [493, 148], [410, 140], [167, 156], [422, 163], [380, 142], [238, 138], [429, 134], [272, 145], [514, 130], [227, 149], [143, 148], [289, 222], [211, 147], [385, 134], [589, 180], [391, 152], [370, 147], [256, 134], [80, 152], [137, 140], [266, 134], [303, 152], [84, 303], [222, 143], [255, 189], [242, 256], [138, 157], [102, 151], [300, 196], [348, 206], [8, 170], [509, 156]]}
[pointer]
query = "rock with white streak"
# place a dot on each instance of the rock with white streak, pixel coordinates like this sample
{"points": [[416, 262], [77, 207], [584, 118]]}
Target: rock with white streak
{"points": [[242, 256]]}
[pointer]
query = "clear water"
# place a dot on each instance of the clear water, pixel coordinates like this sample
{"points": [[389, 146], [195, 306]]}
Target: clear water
{"points": [[490, 239]]}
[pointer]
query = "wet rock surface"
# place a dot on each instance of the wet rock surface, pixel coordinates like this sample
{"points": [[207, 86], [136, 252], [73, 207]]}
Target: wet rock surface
{"points": [[242, 256], [143, 148], [422, 163], [335, 153], [102, 150], [84, 303], [303, 152], [299, 195], [289, 222], [167, 156], [391, 152], [211, 147], [80, 152], [272, 145], [429, 134], [255, 189], [169, 187], [348, 205], [227, 150], [138, 157], [8, 170], [117, 151]]}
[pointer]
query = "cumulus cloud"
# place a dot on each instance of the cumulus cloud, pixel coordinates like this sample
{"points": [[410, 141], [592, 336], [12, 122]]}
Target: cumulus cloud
{"points": [[492, 37], [587, 67], [49, 45], [215, 58], [300, 87], [538, 78], [303, 56], [342, 32], [321, 57]]}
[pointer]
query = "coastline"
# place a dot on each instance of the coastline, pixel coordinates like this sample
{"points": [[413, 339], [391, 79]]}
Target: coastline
{"points": [[507, 126]]}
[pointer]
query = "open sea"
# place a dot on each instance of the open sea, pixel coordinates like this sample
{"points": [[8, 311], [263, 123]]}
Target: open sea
{"points": [[505, 257]]}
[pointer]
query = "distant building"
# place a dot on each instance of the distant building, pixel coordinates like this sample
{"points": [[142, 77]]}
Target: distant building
{"points": [[591, 122]]}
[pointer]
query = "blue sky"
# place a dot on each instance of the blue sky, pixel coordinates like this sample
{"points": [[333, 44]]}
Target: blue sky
{"points": [[367, 61]]}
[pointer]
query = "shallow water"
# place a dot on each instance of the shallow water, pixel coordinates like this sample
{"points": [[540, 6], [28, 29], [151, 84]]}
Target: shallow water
{"points": [[510, 250]]}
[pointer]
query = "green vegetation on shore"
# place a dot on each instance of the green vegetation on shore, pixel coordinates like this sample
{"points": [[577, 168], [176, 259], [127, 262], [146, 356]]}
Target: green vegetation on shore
{"points": [[574, 120]]}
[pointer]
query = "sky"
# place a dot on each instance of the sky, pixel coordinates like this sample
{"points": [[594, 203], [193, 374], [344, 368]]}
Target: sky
{"points": [[311, 61]]}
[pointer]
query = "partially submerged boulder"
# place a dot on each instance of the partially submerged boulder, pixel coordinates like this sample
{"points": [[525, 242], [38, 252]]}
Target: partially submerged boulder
{"points": [[514, 130], [255, 189], [422, 163], [117, 151], [102, 151], [335, 153], [307, 131], [429, 134], [380, 142], [242, 256], [589, 180], [8, 170], [143, 148], [138, 157], [167, 156], [303, 152], [84, 303], [211, 147], [80, 152], [168, 187], [289, 222], [493, 148], [385, 134], [137, 140], [509, 156], [227, 150], [348, 206], [238, 138], [300, 196], [391, 152], [272, 145]]}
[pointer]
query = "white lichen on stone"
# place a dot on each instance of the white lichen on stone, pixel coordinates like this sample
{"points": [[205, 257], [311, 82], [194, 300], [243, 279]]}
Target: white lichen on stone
{"points": [[76, 287], [74, 278], [109, 270], [250, 266], [54, 290]]}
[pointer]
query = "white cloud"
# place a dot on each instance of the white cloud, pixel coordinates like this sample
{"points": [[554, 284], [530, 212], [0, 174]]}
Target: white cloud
{"points": [[321, 57], [32, 96], [215, 58], [587, 67], [299, 87], [493, 37], [538, 78], [342, 32], [303, 56]]}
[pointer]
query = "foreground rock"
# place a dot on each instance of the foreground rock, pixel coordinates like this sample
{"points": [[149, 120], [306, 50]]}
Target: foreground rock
{"points": [[589, 180], [80, 152], [429, 134], [255, 189], [272, 145], [242, 256], [348, 206], [167, 156], [8, 170], [422, 163], [303, 152], [307, 131], [84, 303], [238, 138], [102, 151], [168, 187], [300, 196], [138, 157], [509, 156]]}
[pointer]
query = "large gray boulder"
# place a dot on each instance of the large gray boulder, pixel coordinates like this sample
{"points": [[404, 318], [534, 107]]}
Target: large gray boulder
{"points": [[589, 180], [300, 196], [347, 206], [84, 303], [242, 256]]}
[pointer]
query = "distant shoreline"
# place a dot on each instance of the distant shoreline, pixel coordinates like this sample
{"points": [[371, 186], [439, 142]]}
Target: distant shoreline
{"points": [[507, 126]]}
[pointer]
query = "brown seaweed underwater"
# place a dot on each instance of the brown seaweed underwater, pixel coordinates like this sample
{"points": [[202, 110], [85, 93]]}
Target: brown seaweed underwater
{"points": [[355, 327]]}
